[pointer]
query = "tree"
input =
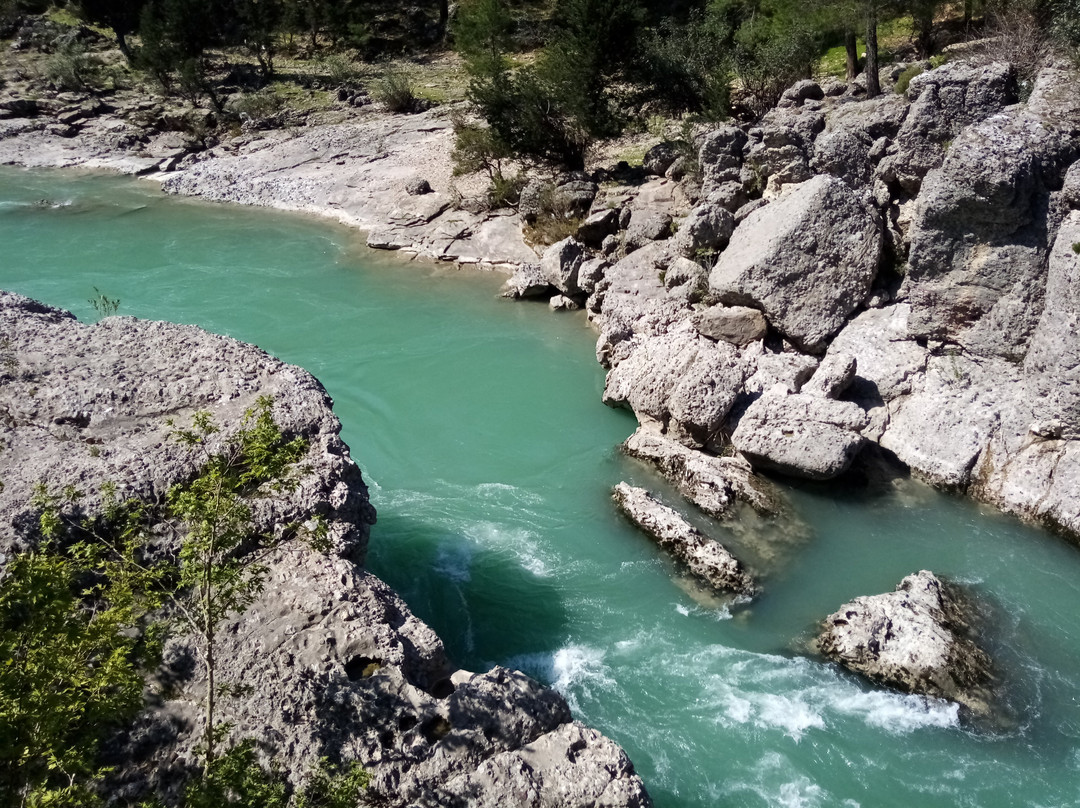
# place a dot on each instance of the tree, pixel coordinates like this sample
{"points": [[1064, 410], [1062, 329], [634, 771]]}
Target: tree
{"points": [[122, 16], [74, 647], [222, 558]]}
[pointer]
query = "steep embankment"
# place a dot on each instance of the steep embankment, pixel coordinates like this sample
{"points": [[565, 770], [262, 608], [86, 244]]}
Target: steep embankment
{"points": [[890, 273], [328, 661]]}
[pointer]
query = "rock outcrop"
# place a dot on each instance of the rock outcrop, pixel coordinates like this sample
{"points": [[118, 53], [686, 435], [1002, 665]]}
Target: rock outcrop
{"points": [[915, 639], [706, 559], [328, 661]]}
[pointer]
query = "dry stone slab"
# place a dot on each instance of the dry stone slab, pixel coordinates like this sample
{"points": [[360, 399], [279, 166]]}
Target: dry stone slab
{"points": [[801, 435]]}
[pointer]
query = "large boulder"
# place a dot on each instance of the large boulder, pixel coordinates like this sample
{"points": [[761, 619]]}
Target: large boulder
{"points": [[560, 264], [738, 325], [720, 155], [705, 231], [1052, 364], [977, 264], [707, 560], [800, 435], [807, 260], [944, 101], [645, 226], [681, 381], [844, 153], [915, 639]]}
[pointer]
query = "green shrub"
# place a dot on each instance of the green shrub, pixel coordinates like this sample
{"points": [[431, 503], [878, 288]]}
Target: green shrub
{"points": [[72, 68], [905, 78], [257, 105], [395, 91]]}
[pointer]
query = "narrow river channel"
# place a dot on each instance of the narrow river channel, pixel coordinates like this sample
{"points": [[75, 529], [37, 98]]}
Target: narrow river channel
{"points": [[479, 427]]}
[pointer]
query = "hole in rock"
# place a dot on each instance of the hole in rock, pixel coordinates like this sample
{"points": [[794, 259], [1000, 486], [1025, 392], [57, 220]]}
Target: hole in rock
{"points": [[435, 728], [442, 689], [361, 667]]}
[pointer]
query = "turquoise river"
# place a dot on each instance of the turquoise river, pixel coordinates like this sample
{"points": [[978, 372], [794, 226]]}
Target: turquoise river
{"points": [[479, 427]]}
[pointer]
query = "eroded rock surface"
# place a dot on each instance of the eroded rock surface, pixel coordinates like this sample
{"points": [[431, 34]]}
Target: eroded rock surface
{"points": [[806, 259], [707, 560], [914, 639], [328, 660]]}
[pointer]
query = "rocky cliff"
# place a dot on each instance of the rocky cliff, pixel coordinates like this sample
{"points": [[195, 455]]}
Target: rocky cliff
{"points": [[329, 661], [895, 271]]}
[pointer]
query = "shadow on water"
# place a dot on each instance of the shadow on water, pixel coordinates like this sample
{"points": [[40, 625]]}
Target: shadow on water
{"points": [[446, 577]]}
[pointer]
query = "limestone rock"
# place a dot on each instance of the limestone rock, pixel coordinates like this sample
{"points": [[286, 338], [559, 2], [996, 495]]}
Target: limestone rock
{"points": [[800, 435], [658, 159], [738, 325], [714, 484], [942, 429], [646, 226], [560, 264], [708, 560], [777, 156], [913, 639], [800, 91], [833, 376], [844, 153], [1052, 364], [680, 380], [528, 281], [327, 660], [789, 370], [978, 241], [597, 227], [720, 155], [944, 101], [563, 303], [574, 198], [705, 230], [807, 260], [531, 200]]}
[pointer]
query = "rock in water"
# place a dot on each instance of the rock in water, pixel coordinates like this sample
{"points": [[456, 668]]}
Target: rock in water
{"points": [[913, 639], [328, 661], [706, 558]]}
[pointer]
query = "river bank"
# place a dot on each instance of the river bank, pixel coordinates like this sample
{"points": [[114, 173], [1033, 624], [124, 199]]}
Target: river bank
{"points": [[926, 240]]}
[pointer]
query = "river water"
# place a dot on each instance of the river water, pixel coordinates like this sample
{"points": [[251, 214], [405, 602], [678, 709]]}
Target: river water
{"points": [[479, 428]]}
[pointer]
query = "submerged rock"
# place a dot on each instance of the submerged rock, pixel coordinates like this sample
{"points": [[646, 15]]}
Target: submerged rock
{"points": [[708, 560], [914, 639], [327, 661]]}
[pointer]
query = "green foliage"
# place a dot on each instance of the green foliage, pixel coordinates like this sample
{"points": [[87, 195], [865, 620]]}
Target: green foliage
{"points": [[1076, 247], [394, 90], [73, 648], [222, 559], [258, 105], [122, 16], [237, 778], [554, 108], [104, 306], [71, 67], [333, 786], [684, 67], [905, 78]]}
